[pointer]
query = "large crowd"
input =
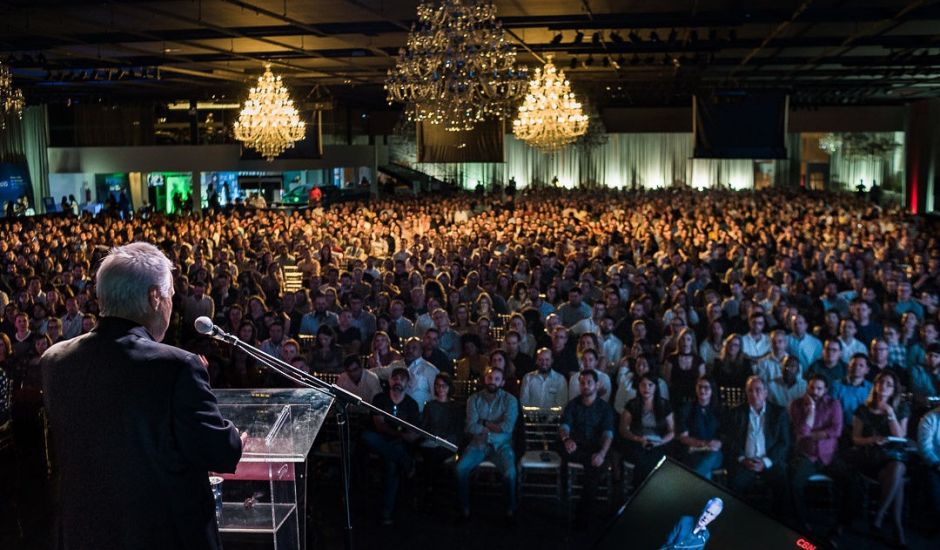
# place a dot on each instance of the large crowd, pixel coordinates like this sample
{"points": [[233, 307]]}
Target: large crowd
{"points": [[759, 337]]}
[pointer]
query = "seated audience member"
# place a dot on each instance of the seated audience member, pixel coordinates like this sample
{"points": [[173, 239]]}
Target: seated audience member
{"points": [[522, 362], [770, 366], [422, 373], [755, 344], [928, 442], [883, 415], [806, 347], [586, 431], [348, 336], [629, 371], [732, 368], [383, 354], [392, 441], [543, 387], [433, 354], [757, 443], [925, 379], [472, 361], [646, 427], [491, 419], [852, 391], [358, 380], [850, 344], [326, 355], [683, 368], [444, 418], [817, 426], [831, 365], [788, 385], [589, 361], [879, 359], [499, 359], [699, 426]]}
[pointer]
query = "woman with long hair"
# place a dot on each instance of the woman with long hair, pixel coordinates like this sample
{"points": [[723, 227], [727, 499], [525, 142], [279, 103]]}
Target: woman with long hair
{"points": [[383, 354], [879, 429], [732, 367], [646, 428], [683, 368], [698, 425]]}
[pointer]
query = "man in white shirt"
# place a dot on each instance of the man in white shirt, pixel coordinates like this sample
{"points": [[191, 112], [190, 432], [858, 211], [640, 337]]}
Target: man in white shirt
{"points": [[422, 373], [758, 443], [850, 344], [544, 387], [788, 386], [359, 381], [770, 366], [755, 344], [803, 345], [72, 320], [610, 344]]}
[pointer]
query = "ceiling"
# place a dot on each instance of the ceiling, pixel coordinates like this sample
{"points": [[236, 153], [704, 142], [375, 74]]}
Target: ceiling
{"points": [[620, 53]]}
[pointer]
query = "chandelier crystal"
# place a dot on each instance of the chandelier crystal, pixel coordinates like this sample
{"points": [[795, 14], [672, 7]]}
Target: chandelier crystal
{"points": [[11, 98], [551, 117], [268, 122], [830, 143], [456, 68]]}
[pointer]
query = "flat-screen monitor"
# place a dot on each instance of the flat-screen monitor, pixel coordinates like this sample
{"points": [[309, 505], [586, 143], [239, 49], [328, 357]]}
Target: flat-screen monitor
{"points": [[740, 124], [674, 498]]}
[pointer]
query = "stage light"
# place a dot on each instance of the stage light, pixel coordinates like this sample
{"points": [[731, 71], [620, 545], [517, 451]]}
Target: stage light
{"points": [[579, 37], [557, 40]]}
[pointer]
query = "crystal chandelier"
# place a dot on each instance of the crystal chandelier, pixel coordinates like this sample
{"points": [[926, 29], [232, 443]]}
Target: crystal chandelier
{"points": [[456, 68], [11, 98], [550, 118], [268, 122], [830, 143]]}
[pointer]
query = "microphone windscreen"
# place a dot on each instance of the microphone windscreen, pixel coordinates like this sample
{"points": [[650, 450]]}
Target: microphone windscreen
{"points": [[203, 325]]}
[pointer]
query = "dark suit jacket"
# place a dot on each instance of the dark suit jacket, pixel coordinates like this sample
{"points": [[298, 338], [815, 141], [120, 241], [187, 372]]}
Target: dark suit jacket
{"points": [[776, 433], [135, 431]]}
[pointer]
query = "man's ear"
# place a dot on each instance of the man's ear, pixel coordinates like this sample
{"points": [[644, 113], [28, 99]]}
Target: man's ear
{"points": [[153, 296]]}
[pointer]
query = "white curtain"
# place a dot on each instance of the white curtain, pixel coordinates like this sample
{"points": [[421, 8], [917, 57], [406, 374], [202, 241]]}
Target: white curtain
{"points": [[887, 170]]}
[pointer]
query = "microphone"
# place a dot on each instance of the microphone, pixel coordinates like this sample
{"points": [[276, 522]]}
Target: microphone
{"points": [[204, 325]]}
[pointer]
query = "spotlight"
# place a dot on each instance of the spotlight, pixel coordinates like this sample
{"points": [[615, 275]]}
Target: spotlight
{"points": [[557, 40], [579, 37]]}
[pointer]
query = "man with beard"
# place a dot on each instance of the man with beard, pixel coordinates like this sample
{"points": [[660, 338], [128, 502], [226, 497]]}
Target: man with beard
{"points": [[610, 344], [817, 424], [391, 440], [544, 387], [422, 373], [432, 352], [491, 419], [586, 432]]}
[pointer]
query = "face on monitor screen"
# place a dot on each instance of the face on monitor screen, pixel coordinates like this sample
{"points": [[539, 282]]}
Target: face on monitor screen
{"points": [[674, 508]]}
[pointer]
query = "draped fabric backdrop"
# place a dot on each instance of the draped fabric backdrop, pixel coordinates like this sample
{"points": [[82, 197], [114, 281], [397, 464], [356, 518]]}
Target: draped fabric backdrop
{"points": [[846, 172], [35, 148], [646, 161]]}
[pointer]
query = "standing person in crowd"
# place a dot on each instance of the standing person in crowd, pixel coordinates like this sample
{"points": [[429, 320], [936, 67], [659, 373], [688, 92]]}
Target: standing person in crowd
{"points": [[586, 432], [143, 485], [491, 419]]}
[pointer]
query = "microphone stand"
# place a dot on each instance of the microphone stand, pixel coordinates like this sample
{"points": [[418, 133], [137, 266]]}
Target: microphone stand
{"points": [[344, 399]]}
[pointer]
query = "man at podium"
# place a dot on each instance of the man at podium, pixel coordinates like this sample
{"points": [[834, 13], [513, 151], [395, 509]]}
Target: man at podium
{"points": [[135, 428]]}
